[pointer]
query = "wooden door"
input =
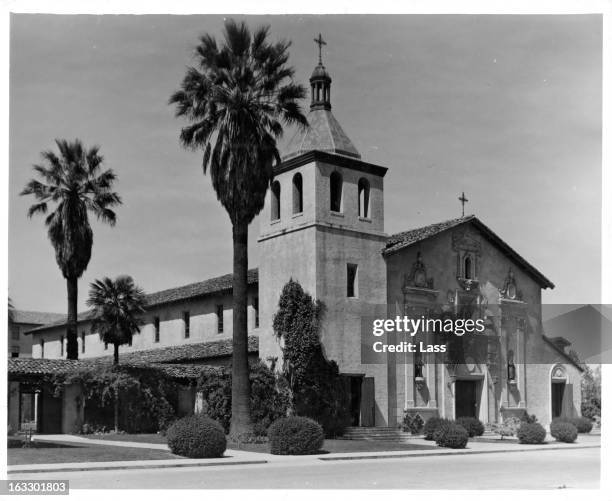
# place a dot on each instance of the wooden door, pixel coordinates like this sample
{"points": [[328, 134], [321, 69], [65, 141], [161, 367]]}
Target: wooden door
{"points": [[465, 399], [367, 402]]}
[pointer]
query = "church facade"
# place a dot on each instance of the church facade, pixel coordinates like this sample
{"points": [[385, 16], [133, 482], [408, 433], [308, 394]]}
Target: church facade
{"points": [[323, 225]]}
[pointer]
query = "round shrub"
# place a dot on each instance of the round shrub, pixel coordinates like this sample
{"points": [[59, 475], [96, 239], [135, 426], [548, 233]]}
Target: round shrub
{"points": [[432, 425], [582, 424], [452, 436], [473, 426], [531, 433], [196, 437], [563, 431], [295, 436]]}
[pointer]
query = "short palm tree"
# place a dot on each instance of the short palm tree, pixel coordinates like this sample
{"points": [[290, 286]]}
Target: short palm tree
{"points": [[237, 99], [117, 308], [74, 184]]}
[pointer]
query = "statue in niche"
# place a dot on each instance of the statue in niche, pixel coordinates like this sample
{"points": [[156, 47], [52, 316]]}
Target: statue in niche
{"points": [[418, 275], [511, 367], [509, 289]]}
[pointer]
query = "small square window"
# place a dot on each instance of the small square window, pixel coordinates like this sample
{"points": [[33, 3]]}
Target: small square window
{"points": [[256, 312], [351, 280]]}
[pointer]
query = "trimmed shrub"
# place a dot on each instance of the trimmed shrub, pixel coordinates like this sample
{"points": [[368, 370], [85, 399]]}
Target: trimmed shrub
{"points": [[196, 437], [451, 435], [413, 423], [432, 425], [563, 431], [295, 436], [473, 426], [528, 418], [582, 424], [531, 433]]}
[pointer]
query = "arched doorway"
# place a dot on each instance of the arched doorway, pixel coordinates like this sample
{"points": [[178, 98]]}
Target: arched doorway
{"points": [[558, 383]]}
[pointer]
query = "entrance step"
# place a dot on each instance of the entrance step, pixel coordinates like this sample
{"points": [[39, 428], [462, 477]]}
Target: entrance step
{"points": [[382, 434]]}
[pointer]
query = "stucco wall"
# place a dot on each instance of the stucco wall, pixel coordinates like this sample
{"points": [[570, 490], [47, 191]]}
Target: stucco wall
{"points": [[203, 322]]}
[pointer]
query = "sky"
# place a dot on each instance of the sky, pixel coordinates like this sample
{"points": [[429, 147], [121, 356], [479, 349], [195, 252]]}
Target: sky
{"points": [[505, 108]]}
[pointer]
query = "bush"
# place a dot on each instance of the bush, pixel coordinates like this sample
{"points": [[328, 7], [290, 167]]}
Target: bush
{"points": [[528, 418], [295, 435], [413, 423], [432, 425], [531, 433], [451, 435], [196, 437], [508, 427], [473, 426], [563, 431], [582, 424]]}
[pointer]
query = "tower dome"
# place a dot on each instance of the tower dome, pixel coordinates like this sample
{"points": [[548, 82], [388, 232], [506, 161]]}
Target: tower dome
{"points": [[323, 133]]}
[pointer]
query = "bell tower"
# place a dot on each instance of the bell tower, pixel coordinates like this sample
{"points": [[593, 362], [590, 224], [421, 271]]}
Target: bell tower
{"points": [[323, 225]]}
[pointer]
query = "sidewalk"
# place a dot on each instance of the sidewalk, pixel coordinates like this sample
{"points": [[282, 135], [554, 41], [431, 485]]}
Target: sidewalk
{"points": [[241, 457]]}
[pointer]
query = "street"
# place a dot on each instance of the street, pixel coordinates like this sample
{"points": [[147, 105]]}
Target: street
{"points": [[554, 469]]}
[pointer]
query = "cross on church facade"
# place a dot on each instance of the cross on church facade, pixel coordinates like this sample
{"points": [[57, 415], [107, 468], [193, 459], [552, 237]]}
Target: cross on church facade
{"points": [[320, 42], [463, 200]]}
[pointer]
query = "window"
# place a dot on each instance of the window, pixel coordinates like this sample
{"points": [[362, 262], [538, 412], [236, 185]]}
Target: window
{"points": [[219, 318], [156, 326], [298, 198], [363, 189], [351, 280], [418, 364], [255, 312], [335, 192], [83, 342], [42, 348], [186, 323], [15, 352], [275, 201], [61, 346], [15, 333], [467, 268]]}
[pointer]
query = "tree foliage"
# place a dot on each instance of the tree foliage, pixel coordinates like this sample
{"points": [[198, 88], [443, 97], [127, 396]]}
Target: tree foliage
{"points": [[317, 389], [591, 392]]}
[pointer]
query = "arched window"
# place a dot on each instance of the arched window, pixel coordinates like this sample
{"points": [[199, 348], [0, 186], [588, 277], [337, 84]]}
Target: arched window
{"points": [[363, 189], [335, 192], [467, 266], [298, 198], [275, 199]]}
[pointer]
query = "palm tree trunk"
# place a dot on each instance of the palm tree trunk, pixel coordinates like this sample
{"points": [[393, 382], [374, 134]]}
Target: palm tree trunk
{"points": [[241, 413], [72, 347], [116, 363]]}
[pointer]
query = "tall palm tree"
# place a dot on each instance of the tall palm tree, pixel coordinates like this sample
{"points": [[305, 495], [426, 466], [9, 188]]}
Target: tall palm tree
{"points": [[117, 308], [74, 184], [237, 99]]}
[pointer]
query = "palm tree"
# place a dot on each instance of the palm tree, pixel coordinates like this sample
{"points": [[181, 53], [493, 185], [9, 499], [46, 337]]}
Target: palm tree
{"points": [[75, 185], [237, 99], [117, 306]]}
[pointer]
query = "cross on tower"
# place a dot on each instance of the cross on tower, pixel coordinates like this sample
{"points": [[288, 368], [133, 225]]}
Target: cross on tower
{"points": [[320, 42], [463, 200]]}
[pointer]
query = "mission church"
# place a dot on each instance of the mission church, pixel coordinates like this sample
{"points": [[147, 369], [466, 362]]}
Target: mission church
{"points": [[323, 225]]}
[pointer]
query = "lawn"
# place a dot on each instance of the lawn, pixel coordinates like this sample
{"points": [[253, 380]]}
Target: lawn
{"points": [[57, 452], [143, 438]]}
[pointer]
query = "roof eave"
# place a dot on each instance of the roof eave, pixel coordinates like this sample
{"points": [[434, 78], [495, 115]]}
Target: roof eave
{"points": [[332, 158]]}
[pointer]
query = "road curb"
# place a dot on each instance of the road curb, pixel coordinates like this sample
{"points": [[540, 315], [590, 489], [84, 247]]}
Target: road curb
{"points": [[60, 469], [459, 453]]}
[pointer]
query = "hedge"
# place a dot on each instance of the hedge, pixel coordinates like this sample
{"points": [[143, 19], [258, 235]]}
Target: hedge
{"points": [[472, 425], [451, 435], [432, 425]]}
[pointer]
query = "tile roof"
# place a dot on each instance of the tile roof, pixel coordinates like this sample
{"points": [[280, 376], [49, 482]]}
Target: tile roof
{"points": [[323, 133], [195, 290], [172, 360], [407, 238], [184, 352], [36, 317]]}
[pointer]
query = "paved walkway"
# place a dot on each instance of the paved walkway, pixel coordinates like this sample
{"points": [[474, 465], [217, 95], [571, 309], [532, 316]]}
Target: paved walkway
{"points": [[240, 457]]}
